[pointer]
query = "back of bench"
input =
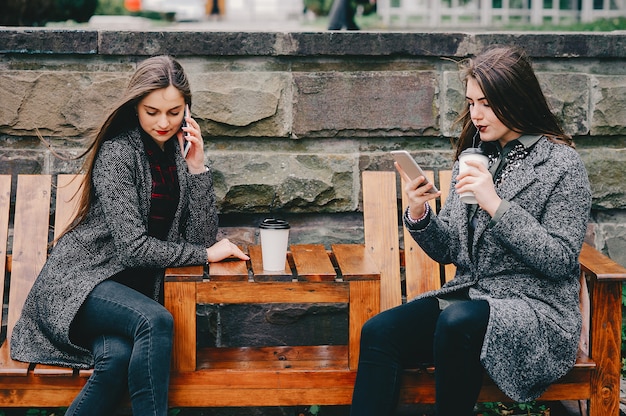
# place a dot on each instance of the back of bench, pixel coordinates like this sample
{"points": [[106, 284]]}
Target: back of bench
{"points": [[32, 222], [382, 220]]}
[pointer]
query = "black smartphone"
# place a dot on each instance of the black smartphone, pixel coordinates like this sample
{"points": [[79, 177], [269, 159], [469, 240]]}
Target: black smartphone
{"points": [[410, 166], [187, 143]]}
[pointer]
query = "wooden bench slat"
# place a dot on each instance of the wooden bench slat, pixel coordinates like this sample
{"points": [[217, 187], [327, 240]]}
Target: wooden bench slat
{"points": [[5, 205], [312, 263], [445, 178], [52, 370], [381, 233], [354, 262], [261, 275], [30, 249], [421, 272], [231, 270], [278, 357], [67, 199]]}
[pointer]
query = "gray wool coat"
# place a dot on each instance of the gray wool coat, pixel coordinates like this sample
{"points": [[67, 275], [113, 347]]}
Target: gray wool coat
{"points": [[112, 238], [525, 265]]}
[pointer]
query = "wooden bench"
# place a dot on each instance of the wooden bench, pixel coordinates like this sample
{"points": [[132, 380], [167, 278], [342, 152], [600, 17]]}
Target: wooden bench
{"points": [[595, 378], [208, 377], [366, 277]]}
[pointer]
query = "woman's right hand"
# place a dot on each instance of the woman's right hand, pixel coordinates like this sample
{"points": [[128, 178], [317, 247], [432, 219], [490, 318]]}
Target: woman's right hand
{"points": [[417, 192], [224, 249]]}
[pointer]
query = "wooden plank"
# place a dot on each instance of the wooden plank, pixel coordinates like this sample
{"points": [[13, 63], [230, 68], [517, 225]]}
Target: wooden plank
{"points": [[364, 303], [272, 292], [52, 370], [184, 274], [229, 270], [354, 262], [312, 263], [445, 179], [67, 199], [30, 249], [380, 220], [180, 300], [605, 348], [5, 204], [422, 273], [261, 275], [312, 357], [600, 266]]}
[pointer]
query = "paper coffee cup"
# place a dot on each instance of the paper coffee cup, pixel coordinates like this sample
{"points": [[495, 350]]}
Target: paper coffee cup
{"points": [[274, 241], [471, 153]]}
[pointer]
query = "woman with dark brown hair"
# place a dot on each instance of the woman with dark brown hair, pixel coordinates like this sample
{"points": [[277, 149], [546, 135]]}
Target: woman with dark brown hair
{"points": [[512, 308], [144, 206]]}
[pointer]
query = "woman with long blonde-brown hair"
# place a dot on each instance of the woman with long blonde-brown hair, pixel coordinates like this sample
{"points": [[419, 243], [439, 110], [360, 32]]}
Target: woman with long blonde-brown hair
{"points": [[144, 206]]}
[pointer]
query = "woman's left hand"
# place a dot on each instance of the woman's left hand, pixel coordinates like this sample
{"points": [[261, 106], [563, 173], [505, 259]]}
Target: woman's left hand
{"points": [[195, 156], [479, 181], [224, 249]]}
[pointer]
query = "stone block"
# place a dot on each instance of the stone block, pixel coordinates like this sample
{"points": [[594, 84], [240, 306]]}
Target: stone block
{"points": [[610, 232], [365, 104], [57, 102], [568, 97], [285, 182], [607, 174], [46, 41], [609, 105], [237, 104]]}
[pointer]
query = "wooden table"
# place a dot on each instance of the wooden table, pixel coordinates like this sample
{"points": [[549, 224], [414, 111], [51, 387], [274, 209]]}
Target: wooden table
{"points": [[312, 274]]}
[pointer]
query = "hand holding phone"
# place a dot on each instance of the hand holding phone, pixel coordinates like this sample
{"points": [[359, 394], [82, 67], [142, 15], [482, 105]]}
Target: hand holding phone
{"points": [[187, 145], [411, 168]]}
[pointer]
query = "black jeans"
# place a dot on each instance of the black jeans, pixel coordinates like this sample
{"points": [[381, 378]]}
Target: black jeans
{"points": [[417, 333]]}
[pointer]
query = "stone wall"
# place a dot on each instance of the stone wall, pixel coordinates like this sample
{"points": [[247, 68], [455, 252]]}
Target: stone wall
{"points": [[290, 120]]}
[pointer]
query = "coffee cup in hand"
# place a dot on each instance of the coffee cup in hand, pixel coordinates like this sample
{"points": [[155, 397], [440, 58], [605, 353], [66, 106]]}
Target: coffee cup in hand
{"points": [[466, 155], [274, 240]]}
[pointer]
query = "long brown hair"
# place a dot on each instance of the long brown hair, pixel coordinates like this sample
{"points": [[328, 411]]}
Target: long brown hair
{"points": [[152, 74], [506, 77]]}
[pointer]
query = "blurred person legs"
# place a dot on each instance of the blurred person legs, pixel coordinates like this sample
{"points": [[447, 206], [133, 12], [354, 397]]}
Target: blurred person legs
{"points": [[342, 15]]}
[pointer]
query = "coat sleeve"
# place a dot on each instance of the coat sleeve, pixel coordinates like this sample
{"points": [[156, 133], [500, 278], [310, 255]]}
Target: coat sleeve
{"points": [[201, 223], [122, 193]]}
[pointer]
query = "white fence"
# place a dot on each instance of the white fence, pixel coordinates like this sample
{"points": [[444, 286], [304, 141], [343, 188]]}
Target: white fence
{"points": [[490, 13]]}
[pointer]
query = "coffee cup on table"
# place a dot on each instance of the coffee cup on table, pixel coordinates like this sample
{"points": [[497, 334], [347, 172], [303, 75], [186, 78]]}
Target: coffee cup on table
{"points": [[474, 154], [274, 241]]}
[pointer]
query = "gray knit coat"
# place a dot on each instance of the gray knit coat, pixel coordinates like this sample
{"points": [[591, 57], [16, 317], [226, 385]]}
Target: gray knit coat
{"points": [[112, 238], [525, 265]]}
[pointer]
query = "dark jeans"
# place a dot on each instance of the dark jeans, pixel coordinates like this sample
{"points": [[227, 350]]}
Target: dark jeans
{"points": [[419, 333], [130, 336]]}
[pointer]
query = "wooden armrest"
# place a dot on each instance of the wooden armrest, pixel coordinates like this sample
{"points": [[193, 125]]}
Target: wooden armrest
{"points": [[600, 267]]}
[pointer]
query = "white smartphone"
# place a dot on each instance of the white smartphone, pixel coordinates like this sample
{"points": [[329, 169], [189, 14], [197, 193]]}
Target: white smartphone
{"points": [[410, 166], [187, 143]]}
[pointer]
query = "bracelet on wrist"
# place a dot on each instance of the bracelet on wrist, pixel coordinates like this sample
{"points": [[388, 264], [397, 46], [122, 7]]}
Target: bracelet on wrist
{"points": [[422, 218]]}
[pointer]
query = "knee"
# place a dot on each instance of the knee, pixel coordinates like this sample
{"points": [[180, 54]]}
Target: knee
{"points": [[157, 321], [375, 331], [463, 322]]}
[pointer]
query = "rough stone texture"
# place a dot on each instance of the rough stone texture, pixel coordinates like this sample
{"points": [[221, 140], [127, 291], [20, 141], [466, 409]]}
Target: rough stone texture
{"points": [[393, 103], [609, 105], [290, 121]]}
